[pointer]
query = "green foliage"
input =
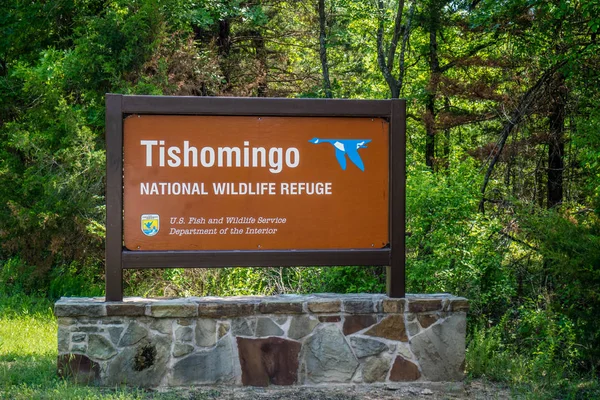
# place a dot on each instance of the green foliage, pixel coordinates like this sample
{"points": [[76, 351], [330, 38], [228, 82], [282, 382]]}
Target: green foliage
{"points": [[252, 281], [52, 176], [15, 276], [570, 246], [548, 336], [531, 375], [345, 280], [74, 280], [450, 247], [532, 275], [588, 140], [487, 356]]}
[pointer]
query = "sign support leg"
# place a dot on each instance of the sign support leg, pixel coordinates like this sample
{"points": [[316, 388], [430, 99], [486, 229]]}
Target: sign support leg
{"points": [[396, 275], [114, 198]]}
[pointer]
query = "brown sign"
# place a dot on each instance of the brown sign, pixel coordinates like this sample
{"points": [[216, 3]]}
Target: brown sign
{"points": [[255, 183]]}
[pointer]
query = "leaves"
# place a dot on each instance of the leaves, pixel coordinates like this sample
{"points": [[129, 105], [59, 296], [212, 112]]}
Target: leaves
{"points": [[465, 68]]}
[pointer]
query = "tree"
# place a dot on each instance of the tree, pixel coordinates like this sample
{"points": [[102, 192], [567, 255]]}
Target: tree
{"points": [[323, 49], [386, 59]]}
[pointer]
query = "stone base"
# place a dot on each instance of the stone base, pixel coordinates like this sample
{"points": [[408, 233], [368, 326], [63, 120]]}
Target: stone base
{"points": [[262, 340]]}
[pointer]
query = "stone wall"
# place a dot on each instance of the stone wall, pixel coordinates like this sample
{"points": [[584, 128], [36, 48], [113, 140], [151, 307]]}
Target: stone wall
{"points": [[261, 341]]}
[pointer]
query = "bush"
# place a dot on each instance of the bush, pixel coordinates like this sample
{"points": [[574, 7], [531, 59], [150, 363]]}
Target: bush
{"points": [[568, 243], [253, 281], [452, 248]]}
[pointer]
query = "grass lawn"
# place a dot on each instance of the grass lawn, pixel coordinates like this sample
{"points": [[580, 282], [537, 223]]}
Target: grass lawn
{"points": [[28, 353]]}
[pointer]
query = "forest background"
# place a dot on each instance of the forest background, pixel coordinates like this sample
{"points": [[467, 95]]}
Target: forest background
{"points": [[503, 150]]}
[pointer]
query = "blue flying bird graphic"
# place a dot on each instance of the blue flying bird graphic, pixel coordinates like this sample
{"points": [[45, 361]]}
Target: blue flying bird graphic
{"points": [[345, 147]]}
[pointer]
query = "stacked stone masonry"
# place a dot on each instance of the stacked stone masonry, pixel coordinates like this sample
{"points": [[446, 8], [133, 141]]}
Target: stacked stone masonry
{"points": [[261, 341]]}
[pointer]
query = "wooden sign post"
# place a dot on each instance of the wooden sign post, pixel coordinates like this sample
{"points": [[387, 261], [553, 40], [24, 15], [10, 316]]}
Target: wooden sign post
{"points": [[227, 182]]}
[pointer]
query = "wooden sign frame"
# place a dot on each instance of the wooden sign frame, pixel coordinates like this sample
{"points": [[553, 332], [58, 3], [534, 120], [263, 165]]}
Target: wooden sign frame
{"points": [[118, 257]]}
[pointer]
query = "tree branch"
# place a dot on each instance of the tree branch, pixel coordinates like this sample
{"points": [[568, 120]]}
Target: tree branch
{"points": [[470, 53], [380, 54], [514, 239], [526, 102], [323, 50], [395, 36], [402, 58]]}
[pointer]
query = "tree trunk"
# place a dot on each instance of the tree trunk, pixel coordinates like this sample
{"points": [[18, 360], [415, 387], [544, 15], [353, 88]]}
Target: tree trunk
{"points": [[446, 149], [434, 70], [261, 56], [323, 50], [224, 46], [430, 130], [556, 145], [527, 101], [386, 63]]}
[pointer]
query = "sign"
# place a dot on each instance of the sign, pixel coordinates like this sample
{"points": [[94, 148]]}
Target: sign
{"points": [[248, 183], [213, 182]]}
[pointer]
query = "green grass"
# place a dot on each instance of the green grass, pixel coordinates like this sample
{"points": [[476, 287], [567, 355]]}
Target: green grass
{"points": [[529, 376], [28, 351]]}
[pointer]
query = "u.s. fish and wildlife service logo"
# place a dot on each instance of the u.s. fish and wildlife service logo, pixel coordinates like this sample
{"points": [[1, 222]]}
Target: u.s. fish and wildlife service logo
{"points": [[150, 224]]}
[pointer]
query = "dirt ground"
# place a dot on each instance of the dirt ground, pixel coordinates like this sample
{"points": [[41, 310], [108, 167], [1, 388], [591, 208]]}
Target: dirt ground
{"points": [[474, 390]]}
